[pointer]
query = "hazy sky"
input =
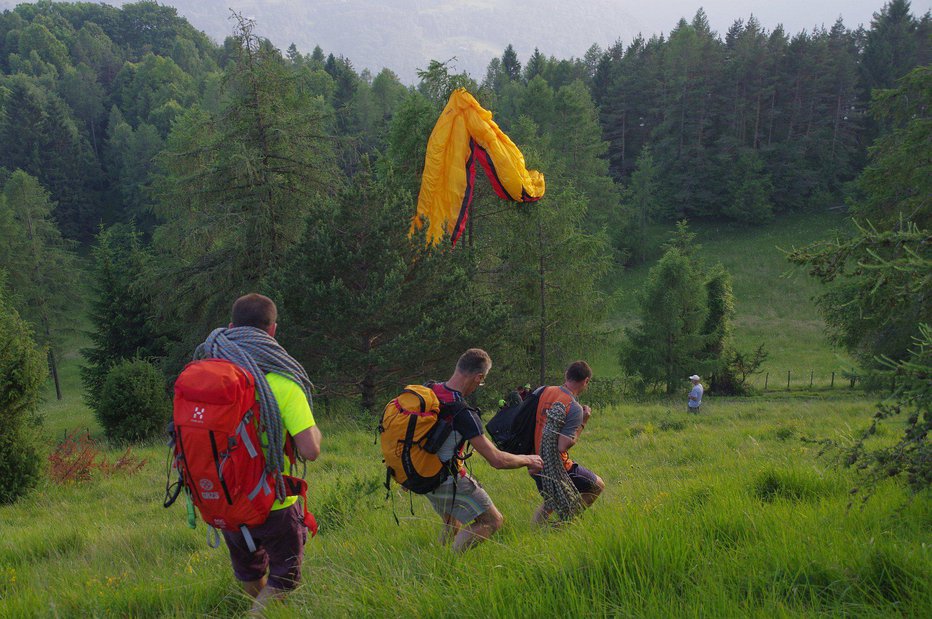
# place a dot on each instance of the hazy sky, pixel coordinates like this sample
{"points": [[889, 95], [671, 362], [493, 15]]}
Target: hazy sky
{"points": [[406, 34]]}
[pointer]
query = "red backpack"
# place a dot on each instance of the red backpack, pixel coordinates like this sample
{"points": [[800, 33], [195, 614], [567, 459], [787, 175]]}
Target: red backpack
{"points": [[218, 451]]}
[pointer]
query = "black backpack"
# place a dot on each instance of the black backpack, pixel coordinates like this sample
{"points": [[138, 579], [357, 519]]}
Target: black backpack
{"points": [[512, 428]]}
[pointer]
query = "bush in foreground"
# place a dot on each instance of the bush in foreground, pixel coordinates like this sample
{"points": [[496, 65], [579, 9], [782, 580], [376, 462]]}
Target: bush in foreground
{"points": [[133, 405]]}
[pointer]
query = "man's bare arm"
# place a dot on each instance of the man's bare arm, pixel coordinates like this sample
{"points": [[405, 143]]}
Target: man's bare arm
{"points": [[504, 460], [307, 443]]}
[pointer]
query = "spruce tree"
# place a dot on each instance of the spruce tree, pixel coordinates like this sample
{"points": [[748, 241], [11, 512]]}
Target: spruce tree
{"points": [[124, 326], [664, 348]]}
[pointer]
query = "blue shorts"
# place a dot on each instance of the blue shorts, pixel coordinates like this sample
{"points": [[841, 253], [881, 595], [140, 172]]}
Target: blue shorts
{"points": [[582, 478]]}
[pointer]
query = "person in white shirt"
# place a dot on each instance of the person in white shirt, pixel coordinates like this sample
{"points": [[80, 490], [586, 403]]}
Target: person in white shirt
{"points": [[695, 395]]}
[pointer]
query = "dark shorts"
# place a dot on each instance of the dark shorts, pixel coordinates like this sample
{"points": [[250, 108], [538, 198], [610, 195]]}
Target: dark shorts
{"points": [[279, 549], [582, 478]]}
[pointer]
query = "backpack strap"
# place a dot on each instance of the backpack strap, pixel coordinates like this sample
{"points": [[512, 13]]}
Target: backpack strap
{"points": [[295, 486]]}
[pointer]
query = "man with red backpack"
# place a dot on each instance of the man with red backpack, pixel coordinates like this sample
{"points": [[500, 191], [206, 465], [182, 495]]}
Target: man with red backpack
{"points": [[266, 557]]}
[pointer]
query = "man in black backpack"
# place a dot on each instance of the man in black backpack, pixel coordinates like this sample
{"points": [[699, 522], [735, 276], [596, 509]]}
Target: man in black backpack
{"points": [[469, 516], [588, 484]]}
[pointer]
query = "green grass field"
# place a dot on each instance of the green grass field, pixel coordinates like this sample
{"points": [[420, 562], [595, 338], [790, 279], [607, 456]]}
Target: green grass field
{"points": [[774, 300], [724, 514], [730, 513]]}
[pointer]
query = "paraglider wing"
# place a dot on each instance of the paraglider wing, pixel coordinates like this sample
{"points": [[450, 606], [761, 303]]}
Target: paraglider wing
{"points": [[466, 135]]}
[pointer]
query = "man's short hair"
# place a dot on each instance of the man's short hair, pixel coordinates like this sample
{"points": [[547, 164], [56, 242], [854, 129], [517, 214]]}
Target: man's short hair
{"points": [[474, 361], [578, 371], [254, 310]]}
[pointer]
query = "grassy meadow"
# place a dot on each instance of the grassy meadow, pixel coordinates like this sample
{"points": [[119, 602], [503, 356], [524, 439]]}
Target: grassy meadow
{"points": [[724, 514], [729, 513], [773, 299]]}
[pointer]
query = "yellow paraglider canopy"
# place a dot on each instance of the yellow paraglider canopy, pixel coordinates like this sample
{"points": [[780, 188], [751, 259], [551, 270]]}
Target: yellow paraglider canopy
{"points": [[464, 135]]}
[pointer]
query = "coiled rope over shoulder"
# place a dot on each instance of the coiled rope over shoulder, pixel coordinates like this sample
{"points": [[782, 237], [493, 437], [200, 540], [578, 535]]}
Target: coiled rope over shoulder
{"points": [[255, 350], [560, 495]]}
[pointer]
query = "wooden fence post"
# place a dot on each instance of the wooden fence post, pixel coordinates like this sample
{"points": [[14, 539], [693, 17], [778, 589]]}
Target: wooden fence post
{"points": [[833, 381], [766, 378], [810, 379], [787, 380]]}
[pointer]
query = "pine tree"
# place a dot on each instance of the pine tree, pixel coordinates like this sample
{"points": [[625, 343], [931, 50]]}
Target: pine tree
{"points": [[665, 346], [510, 63], [882, 274], [642, 198], [237, 188], [749, 190], [536, 65], [40, 137], [411, 308], [41, 266], [123, 321]]}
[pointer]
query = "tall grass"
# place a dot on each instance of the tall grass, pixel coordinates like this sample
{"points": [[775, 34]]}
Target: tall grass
{"points": [[728, 513], [723, 514]]}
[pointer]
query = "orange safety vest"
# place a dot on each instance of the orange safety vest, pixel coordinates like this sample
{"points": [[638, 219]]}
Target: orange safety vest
{"points": [[548, 397]]}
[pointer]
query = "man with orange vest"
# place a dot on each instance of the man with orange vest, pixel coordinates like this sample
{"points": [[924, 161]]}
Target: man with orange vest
{"points": [[576, 381]]}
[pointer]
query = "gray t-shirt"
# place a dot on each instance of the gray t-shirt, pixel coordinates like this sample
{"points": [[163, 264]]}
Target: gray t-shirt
{"points": [[695, 396], [574, 416]]}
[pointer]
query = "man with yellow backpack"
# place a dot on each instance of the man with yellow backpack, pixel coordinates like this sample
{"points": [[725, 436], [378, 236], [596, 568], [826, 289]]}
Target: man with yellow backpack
{"points": [[424, 432]]}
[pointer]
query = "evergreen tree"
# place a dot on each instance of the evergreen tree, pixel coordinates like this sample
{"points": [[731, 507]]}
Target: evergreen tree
{"points": [[40, 137], [665, 347], [510, 63], [892, 47], [749, 190], [22, 373], [535, 66], [123, 320], [882, 274], [131, 157], [412, 308], [238, 187], [495, 77], [541, 261], [686, 134], [642, 198], [897, 183], [407, 139], [577, 138], [41, 265]]}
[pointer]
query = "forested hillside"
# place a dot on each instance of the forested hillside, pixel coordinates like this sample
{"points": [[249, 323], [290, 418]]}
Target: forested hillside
{"points": [[185, 173]]}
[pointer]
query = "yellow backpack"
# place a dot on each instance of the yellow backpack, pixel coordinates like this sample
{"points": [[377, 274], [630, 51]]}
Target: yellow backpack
{"points": [[412, 432]]}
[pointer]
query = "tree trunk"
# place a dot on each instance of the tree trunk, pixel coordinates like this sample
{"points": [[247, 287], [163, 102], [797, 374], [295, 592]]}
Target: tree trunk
{"points": [[53, 368], [757, 122], [543, 304], [367, 386]]}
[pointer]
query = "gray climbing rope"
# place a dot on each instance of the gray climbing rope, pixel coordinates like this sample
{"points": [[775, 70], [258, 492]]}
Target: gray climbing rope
{"points": [[255, 350], [560, 495]]}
